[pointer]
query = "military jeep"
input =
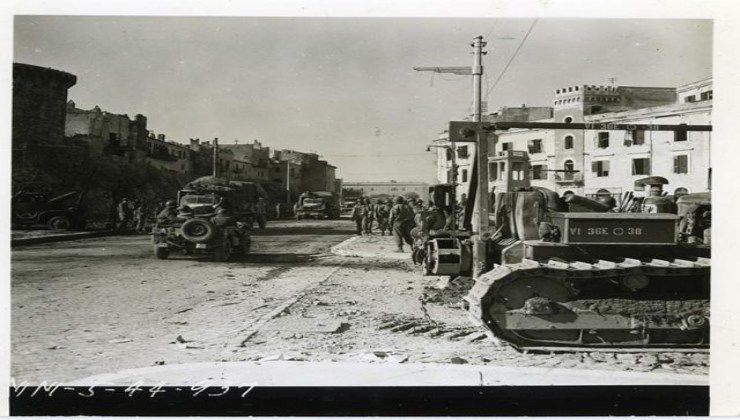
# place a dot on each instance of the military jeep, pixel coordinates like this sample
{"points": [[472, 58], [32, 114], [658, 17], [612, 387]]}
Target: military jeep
{"points": [[213, 217]]}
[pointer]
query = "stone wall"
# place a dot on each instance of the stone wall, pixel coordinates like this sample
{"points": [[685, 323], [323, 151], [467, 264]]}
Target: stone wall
{"points": [[39, 104]]}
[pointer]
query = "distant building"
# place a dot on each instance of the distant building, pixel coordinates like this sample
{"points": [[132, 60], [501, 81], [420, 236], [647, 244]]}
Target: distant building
{"points": [[315, 174], [168, 155], [106, 132], [39, 108], [392, 188]]}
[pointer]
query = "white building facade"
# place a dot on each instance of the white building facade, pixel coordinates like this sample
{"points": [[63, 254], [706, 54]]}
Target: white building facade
{"points": [[615, 159]]}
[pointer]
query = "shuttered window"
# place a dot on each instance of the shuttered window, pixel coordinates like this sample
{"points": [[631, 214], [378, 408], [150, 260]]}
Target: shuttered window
{"points": [[539, 171], [680, 135], [602, 140], [681, 164], [534, 146], [568, 142], [600, 168]]}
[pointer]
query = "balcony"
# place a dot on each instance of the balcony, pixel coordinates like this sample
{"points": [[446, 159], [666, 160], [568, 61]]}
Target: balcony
{"points": [[573, 178]]}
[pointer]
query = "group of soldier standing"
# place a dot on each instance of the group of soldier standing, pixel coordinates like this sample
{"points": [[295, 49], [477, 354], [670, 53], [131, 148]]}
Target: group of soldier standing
{"points": [[132, 215], [395, 216]]}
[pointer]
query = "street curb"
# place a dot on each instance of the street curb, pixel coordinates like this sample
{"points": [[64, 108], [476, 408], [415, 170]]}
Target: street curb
{"points": [[59, 238]]}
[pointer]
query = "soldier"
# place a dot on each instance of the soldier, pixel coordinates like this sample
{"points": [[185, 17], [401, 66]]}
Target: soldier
{"points": [[261, 212], [124, 215], [140, 215], [168, 214], [382, 212], [368, 218], [358, 214], [402, 220]]}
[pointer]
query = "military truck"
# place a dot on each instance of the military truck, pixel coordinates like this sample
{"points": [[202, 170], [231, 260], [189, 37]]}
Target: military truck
{"points": [[318, 204], [214, 216], [32, 208]]}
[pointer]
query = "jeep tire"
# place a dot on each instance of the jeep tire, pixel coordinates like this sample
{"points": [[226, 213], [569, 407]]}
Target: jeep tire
{"points": [[198, 230]]}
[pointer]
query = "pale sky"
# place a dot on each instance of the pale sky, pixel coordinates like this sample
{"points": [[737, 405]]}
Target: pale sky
{"points": [[344, 88]]}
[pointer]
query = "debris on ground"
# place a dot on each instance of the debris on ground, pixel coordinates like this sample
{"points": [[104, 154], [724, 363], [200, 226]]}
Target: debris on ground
{"points": [[449, 294]]}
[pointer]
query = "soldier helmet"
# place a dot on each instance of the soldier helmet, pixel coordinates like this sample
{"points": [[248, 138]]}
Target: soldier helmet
{"points": [[170, 203], [399, 200]]}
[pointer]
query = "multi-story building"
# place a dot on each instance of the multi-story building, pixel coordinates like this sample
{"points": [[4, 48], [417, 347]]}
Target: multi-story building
{"points": [[168, 155], [538, 141], [106, 132], [392, 188], [615, 159], [315, 174], [564, 160]]}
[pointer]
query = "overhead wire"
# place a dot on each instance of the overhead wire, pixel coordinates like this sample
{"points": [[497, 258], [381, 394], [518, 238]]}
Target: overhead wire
{"points": [[511, 60]]}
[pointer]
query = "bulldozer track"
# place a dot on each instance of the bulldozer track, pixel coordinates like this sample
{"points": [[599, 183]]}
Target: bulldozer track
{"points": [[487, 291]]}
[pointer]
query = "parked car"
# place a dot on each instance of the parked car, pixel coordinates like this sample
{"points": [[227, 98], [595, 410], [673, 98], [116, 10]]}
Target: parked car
{"points": [[63, 211]]}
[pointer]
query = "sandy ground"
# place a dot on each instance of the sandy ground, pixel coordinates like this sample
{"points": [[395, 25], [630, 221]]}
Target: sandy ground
{"points": [[100, 305]]}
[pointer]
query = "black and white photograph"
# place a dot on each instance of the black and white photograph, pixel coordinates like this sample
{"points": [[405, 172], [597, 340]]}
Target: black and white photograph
{"points": [[224, 204]]}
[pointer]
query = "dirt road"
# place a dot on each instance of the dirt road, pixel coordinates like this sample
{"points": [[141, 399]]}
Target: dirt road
{"points": [[100, 305]]}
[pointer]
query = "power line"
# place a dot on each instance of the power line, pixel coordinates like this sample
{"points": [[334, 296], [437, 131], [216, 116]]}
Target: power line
{"points": [[511, 59], [369, 156]]}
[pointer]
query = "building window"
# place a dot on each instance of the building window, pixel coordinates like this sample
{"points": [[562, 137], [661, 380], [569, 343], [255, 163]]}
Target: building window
{"points": [[492, 171], [680, 135], [534, 146], [600, 168], [539, 171], [568, 170], [706, 95], [568, 120], [462, 152], [464, 175], [506, 146], [568, 142], [602, 141], [690, 98], [641, 166], [681, 164], [634, 137], [448, 154]]}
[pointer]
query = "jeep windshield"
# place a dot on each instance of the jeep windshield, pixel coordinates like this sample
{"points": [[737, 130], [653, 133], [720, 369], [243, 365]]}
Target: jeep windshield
{"points": [[313, 202], [198, 200]]}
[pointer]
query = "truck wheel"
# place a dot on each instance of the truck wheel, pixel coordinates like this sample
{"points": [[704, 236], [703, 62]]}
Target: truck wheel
{"points": [[223, 253], [60, 223], [161, 253]]}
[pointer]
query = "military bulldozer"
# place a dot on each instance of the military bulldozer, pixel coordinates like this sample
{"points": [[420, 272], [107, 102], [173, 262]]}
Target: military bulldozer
{"points": [[568, 273]]}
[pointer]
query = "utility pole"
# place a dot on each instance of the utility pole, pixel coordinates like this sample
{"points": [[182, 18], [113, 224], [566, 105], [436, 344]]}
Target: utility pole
{"points": [[480, 214], [287, 181], [215, 157]]}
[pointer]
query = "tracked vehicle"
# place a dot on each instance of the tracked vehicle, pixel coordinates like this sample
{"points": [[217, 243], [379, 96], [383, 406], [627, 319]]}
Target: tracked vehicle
{"points": [[571, 273]]}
